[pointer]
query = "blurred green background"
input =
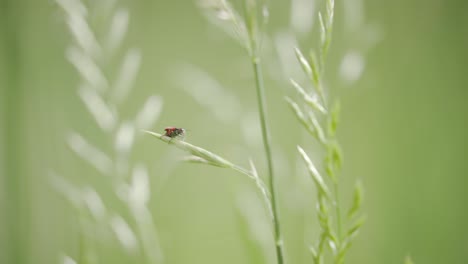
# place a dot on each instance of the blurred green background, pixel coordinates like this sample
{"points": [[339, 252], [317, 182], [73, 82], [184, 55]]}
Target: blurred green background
{"points": [[403, 131]]}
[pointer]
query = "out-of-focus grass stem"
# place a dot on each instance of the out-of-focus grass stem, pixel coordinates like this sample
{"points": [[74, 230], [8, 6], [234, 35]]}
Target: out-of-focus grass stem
{"points": [[15, 195]]}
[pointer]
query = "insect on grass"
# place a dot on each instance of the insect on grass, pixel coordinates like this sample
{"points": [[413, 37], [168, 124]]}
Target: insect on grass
{"points": [[174, 132]]}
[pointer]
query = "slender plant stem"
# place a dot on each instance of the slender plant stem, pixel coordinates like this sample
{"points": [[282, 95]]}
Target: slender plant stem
{"points": [[266, 142]]}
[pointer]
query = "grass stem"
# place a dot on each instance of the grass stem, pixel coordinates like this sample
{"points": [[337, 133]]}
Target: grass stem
{"points": [[267, 144]]}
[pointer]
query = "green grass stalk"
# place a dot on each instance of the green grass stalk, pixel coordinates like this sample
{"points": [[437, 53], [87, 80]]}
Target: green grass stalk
{"points": [[261, 99], [254, 22]]}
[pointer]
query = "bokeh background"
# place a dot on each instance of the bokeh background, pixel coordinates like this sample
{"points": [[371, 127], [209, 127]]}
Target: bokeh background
{"points": [[403, 129]]}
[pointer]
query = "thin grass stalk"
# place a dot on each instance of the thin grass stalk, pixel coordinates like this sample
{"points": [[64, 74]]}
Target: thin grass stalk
{"points": [[252, 18], [261, 99]]}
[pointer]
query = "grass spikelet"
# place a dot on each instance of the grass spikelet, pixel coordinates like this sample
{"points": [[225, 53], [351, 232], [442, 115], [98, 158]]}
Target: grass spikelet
{"points": [[124, 233], [149, 113], [194, 150], [97, 107], [357, 200], [315, 175], [304, 64], [88, 152], [300, 116], [127, 74], [312, 101], [118, 30]]}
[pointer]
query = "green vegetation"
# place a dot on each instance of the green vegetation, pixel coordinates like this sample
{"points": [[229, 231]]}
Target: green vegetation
{"points": [[316, 131]]}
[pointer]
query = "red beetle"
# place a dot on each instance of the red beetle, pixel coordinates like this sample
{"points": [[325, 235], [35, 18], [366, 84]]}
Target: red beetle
{"points": [[174, 132]]}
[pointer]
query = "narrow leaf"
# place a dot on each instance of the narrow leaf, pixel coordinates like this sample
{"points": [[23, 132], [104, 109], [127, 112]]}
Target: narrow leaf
{"points": [[323, 29], [318, 128], [334, 158], [330, 6]]}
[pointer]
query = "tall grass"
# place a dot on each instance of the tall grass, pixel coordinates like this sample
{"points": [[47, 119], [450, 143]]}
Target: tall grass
{"points": [[98, 30], [248, 29], [319, 115], [317, 111]]}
